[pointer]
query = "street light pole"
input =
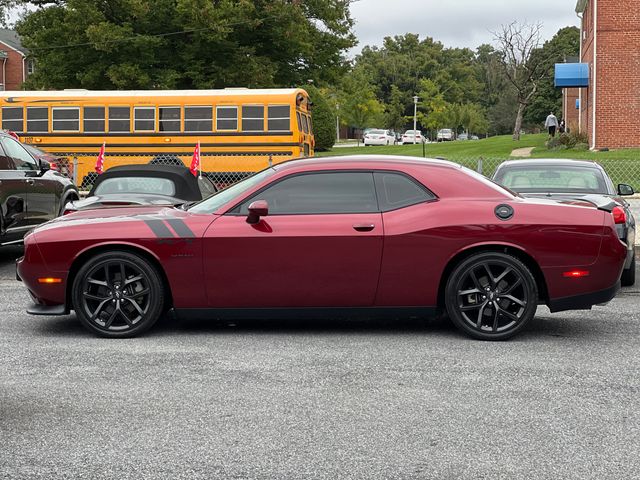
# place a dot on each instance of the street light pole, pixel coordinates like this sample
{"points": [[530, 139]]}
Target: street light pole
{"points": [[337, 122], [415, 117]]}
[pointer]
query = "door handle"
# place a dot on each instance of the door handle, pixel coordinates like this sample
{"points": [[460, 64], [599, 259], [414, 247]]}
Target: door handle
{"points": [[30, 181], [364, 227]]}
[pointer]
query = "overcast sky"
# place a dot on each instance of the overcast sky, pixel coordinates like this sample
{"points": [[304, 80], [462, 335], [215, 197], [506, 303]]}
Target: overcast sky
{"points": [[455, 23]]}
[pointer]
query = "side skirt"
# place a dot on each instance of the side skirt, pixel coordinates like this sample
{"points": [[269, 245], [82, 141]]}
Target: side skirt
{"points": [[302, 313]]}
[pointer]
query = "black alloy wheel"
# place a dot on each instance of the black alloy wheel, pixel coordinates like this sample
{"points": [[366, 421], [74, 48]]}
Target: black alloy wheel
{"points": [[491, 296], [118, 294]]}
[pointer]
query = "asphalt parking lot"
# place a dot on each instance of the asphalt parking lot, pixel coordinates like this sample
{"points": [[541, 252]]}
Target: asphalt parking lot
{"points": [[321, 400]]}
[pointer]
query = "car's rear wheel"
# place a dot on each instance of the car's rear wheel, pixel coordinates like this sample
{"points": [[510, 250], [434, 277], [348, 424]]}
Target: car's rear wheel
{"points": [[629, 275], [118, 294], [491, 296]]}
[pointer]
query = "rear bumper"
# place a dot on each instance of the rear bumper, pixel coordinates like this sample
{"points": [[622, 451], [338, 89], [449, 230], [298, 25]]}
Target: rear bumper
{"points": [[585, 301]]}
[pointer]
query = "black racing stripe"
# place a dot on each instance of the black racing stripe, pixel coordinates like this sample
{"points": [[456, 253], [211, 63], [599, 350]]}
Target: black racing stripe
{"points": [[180, 228], [159, 228]]}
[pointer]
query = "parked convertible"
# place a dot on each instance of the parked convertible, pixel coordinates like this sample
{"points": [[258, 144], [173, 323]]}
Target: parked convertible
{"points": [[144, 185], [574, 179], [333, 236]]}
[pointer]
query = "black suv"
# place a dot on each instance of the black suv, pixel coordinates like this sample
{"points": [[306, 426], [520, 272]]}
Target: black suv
{"points": [[30, 192]]}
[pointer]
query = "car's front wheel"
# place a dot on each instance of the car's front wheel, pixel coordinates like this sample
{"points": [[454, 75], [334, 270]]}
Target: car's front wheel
{"points": [[118, 294], [491, 296]]}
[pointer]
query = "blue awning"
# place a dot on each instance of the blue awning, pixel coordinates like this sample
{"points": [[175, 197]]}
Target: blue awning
{"points": [[572, 75]]}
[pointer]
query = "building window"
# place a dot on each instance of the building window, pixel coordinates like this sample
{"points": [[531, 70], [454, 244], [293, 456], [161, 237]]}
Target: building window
{"points": [[119, 119], [94, 119], [169, 119], [12, 119], [65, 119], [144, 119], [253, 118], [278, 120], [198, 119], [37, 119], [31, 66], [227, 119]]}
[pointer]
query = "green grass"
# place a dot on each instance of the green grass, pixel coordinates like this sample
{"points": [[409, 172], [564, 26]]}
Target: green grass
{"points": [[622, 165]]}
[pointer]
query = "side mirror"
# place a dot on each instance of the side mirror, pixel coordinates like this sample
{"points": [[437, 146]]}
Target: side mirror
{"points": [[257, 209], [44, 168], [625, 190]]}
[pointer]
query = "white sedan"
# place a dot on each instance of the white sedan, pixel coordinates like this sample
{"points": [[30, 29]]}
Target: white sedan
{"points": [[379, 137], [412, 137]]}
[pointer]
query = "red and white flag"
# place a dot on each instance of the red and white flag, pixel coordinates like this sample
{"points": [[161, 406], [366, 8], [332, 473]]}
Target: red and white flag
{"points": [[195, 161], [100, 160]]}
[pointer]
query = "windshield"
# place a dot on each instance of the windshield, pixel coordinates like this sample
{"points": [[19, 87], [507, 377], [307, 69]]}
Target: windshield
{"points": [[215, 201], [553, 179], [410, 132], [156, 186]]}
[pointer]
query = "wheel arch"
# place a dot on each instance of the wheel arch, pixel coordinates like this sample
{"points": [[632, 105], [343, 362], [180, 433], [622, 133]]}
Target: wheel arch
{"points": [[512, 250], [94, 250]]}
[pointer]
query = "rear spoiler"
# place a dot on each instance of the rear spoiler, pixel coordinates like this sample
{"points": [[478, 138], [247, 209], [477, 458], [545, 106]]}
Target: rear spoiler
{"points": [[601, 202]]}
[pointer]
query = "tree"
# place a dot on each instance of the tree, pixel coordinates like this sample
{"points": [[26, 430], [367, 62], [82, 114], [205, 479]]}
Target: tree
{"points": [[358, 103], [324, 119], [107, 44], [523, 64], [394, 110]]}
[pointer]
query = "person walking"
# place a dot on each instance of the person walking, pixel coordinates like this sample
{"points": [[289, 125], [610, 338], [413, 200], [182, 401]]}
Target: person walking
{"points": [[552, 124]]}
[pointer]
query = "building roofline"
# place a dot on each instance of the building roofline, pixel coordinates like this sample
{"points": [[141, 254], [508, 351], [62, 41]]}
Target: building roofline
{"points": [[13, 48], [581, 6]]}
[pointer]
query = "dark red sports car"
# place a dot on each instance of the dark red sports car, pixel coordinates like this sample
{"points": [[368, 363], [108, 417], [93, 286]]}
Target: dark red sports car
{"points": [[326, 237]]}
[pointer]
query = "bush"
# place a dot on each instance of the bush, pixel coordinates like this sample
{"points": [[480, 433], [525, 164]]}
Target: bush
{"points": [[567, 141], [324, 120]]}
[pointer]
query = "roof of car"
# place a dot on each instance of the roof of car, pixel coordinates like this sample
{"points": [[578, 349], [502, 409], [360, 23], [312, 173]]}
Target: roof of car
{"points": [[364, 160], [552, 161], [186, 184]]}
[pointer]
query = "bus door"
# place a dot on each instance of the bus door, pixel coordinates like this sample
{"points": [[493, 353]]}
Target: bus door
{"points": [[305, 137]]}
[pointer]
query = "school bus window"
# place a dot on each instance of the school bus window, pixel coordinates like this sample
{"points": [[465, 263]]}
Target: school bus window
{"points": [[93, 119], [310, 124], [37, 119], [169, 119], [227, 118], [12, 119], [65, 119], [305, 124], [253, 118], [198, 119], [278, 120], [299, 122], [119, 119], [144, 119]]}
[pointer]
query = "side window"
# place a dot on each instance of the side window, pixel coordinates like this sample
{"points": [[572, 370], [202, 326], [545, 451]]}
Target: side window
{"points": [[227, 119], [12, 119], [278, 120], [37, 119], [206, 187], [20, 157], [119, 119], [198, 119], [253, 118], [6, 162], [299, 122], [397, 191], [169, 119], [310, 124], [144, 119], [65, 119], [93, 119], [315, 193], [305, 124]]}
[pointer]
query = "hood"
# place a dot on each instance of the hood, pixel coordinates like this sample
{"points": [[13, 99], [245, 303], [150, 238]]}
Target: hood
{"points": [[123, 200]]}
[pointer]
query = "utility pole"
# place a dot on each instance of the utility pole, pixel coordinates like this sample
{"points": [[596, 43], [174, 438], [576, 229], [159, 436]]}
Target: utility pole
{"points": [[415, 117], [337, 122]]}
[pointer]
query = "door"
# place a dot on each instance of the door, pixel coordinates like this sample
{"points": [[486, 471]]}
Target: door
{"points": [[13, 200], [319, 246], [43, 192]]}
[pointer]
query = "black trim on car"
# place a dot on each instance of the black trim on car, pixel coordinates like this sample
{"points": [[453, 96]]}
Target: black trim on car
{"points": [[35, 309], [585, 301]]}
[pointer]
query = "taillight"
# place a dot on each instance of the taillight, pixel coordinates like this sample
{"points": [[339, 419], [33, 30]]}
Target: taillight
{"points": [[54, 166], [619, 217], [67, 212]]}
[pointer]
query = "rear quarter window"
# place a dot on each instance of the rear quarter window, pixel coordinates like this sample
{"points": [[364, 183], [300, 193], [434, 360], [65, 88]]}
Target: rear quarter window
{"points": [[396, 190]]}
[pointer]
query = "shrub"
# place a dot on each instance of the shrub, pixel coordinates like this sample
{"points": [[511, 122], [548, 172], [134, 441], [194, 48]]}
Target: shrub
{"points": [[567, 141], [324, 120]]}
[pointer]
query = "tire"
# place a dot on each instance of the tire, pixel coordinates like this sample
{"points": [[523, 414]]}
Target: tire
{"points": [[491, 296], [109, 307], [629, 275]]}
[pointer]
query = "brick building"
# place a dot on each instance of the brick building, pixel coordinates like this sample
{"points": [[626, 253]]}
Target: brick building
{"points": [[609, 107], [16, 65]]}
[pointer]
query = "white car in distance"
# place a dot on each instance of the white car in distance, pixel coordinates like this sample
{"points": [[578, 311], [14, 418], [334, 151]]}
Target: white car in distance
{"points": [[379, 137], [411, 136], [446, 135]]}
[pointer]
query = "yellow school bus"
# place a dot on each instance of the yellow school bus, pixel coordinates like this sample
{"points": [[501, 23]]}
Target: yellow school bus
{"points": [[240, 130]]}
